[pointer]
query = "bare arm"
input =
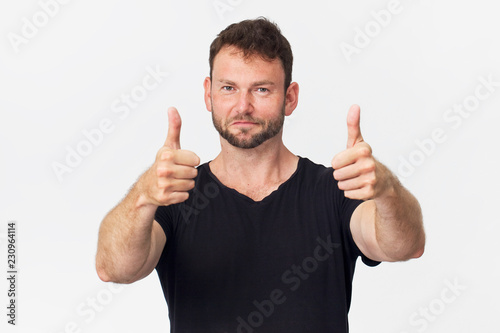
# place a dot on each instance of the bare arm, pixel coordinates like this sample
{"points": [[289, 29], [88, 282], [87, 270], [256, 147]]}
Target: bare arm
{"points": [[130, 241], [388, 226]]}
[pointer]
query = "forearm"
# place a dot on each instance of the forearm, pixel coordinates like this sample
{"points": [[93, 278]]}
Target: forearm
{"points": [[130, 244], [125, 238], [398, 221]]}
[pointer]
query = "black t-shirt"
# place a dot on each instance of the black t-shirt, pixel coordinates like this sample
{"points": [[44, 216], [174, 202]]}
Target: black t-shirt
{"points": [[283, 264]]}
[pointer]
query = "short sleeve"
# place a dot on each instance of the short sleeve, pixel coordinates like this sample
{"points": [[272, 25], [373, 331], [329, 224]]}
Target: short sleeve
{"points": [[348, 208], [345, 208], [164, 217]]}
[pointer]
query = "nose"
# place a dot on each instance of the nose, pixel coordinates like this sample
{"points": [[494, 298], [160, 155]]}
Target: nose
{"points": [[245, 102]]}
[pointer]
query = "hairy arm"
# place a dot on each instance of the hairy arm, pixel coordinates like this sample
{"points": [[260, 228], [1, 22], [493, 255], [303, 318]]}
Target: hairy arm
{"points": [[388, 226], [130, 240]]}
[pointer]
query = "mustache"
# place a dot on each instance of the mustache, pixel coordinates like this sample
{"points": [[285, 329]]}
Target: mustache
{"points": [[245, 118]]}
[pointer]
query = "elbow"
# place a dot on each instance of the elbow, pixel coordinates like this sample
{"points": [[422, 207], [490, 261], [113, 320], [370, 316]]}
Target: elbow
{"points": [[106, 276], [418, 253], [408, 252], [406, 256], [421, 246], [103, 271], [103, 274]]}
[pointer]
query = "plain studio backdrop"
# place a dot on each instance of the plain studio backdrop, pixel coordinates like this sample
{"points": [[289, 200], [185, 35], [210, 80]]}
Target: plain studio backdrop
{"points": [[85, 87]]}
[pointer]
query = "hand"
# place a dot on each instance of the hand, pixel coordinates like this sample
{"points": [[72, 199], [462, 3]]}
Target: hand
{"points": [[172, 175], [359, 175]]}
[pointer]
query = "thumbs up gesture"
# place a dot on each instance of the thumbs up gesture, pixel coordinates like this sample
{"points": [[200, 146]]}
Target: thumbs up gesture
{"points": [[172, 175], [359, 175]]}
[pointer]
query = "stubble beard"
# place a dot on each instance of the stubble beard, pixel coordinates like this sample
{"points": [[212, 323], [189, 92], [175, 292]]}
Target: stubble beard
{"points": [[269, 130]]}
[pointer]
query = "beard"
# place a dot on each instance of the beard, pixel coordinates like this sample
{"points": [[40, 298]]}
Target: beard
{"points": [[269, 129]]}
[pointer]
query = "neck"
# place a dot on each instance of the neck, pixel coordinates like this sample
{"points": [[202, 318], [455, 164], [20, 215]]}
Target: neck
{"points": [[269, 163]]}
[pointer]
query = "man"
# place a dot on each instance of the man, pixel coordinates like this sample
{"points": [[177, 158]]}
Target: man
{"points": [[258, 239]]}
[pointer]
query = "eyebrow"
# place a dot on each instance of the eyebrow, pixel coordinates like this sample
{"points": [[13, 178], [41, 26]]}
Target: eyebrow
{"points": [[264, 83], [258, 83]]}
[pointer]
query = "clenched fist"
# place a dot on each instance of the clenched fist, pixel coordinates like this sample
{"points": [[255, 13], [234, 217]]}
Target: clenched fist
{"points": [[358, 173], [172, 175]]}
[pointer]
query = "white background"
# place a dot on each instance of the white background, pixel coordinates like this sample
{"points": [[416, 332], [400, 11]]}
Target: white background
{"points": [[65, 78]]}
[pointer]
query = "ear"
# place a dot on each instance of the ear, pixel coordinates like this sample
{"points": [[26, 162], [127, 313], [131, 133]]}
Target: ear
{"points": [[207, 85], [291, 98]]}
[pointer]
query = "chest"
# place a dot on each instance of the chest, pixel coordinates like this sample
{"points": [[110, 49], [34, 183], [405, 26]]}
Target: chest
{"points": [[232, 233], [256, 193]]}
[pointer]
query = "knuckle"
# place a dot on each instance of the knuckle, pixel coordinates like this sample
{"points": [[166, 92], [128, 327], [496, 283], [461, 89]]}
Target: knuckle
{"points": [[167, 155], [371, 181], [164, 172], [164, 184], [168, 185], [165, 199], [370, 165], [367, 192], [168, 173], [365, 150], [160, 171], [160, 152]]}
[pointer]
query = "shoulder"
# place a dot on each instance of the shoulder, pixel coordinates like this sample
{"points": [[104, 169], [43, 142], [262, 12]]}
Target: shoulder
{"points": [[316, 180], [314, 171]]}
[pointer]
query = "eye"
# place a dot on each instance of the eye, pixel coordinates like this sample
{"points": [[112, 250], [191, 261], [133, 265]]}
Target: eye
{"points": [[262, 89], [227, 88]]}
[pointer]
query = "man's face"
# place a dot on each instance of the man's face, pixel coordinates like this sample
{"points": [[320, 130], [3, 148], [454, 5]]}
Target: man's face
{"points": [[246, 97]]}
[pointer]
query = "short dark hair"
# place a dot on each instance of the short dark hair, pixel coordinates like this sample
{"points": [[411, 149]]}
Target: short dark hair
{"points": [[256, 37]]}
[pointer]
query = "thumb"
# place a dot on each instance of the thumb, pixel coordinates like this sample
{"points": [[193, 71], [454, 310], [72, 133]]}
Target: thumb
{"points": [[353, 129], [174, 129]]}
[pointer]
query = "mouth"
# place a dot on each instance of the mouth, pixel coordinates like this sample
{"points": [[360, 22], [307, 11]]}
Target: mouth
{"points": [[244, 123]]}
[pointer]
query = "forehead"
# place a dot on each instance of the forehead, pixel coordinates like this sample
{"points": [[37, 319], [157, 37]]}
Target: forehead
{"points": [[232, 61]]}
